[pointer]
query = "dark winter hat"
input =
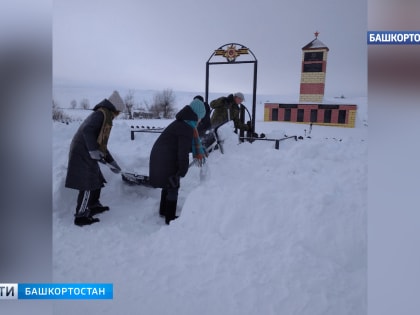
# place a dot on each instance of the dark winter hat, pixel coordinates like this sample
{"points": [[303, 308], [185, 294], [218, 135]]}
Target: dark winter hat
{"points": [[117, 101], [240, 95], [198, 97], [198, 108]]}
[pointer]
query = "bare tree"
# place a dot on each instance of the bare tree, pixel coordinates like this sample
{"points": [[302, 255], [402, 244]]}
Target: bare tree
{"points": [[164, 104], [146, 105], [58, 114], [155, 110], [152, 109], [84, 103], [73, 104], [129, 103]]}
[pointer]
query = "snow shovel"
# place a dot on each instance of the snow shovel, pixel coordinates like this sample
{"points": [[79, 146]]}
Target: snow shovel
{"points": [[203, 169], [136, 179], [132, 178]]}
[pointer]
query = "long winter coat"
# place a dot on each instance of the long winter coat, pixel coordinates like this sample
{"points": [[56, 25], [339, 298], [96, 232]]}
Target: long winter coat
{"points": [[83, 173], [226, 109], [170, 152]]}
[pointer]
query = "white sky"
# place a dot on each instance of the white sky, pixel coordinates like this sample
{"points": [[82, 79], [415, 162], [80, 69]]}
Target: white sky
{"points": [[165, 44]]}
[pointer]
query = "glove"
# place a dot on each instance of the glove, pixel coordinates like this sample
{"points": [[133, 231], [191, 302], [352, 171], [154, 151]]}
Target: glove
{"points": [[115, 167], [200, 162], [174, 181], [96, 155]]}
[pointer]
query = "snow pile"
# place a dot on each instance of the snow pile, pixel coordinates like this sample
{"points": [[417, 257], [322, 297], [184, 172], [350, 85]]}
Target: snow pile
{"points": [[264, 232]]}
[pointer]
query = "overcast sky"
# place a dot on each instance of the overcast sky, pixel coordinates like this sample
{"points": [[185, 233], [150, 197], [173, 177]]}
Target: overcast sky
{"points": [[159, 44]]}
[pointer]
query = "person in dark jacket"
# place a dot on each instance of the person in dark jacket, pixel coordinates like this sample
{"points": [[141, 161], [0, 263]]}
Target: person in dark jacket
{"points": [[88, 147], [227, 108], [205, 123], [169, 158]]}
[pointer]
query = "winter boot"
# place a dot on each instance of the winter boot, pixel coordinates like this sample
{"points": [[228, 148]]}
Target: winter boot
{"points": [[97, 208], [170, 211], [84, 219], [162, 207]]}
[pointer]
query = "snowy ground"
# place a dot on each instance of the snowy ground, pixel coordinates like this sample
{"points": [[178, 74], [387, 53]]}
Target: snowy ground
{"points": [[266, 232]]}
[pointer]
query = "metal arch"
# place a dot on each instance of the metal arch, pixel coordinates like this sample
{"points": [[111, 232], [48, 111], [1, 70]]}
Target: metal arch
{"points": [[229, 44], [234, 61]]}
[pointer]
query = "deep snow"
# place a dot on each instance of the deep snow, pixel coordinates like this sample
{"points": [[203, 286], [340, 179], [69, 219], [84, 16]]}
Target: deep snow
{"points": [[266, 232]]}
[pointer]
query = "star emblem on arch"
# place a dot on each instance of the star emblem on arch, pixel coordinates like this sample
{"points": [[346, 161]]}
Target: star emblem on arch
{"points": [[231, 53]]}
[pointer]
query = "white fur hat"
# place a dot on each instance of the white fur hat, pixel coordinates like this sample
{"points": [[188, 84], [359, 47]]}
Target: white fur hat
{"points": [[117, 101], [240, 95]]}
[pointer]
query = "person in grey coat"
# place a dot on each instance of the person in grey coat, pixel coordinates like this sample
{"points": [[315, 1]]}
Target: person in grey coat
{"points": [[87, 148], [169, 158]]}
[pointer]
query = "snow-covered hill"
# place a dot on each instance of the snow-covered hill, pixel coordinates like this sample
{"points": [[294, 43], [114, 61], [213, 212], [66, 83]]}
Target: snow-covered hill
{"points": [[266, 232]]}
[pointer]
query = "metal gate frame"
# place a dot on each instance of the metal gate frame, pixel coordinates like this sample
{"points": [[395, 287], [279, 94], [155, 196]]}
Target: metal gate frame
{"points": [[231, 52]]}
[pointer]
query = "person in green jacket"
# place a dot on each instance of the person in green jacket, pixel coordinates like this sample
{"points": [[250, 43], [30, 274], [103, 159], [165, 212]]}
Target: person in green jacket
{"points": [[226, 109]]}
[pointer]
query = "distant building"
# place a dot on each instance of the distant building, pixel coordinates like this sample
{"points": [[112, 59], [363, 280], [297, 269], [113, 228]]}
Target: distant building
{"points": [[310, 108], [314, 70], [340, 115], [142, 115]]}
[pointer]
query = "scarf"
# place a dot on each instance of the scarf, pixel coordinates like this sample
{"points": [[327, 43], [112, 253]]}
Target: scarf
{"points": [[198, 152], [105, 130]]}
